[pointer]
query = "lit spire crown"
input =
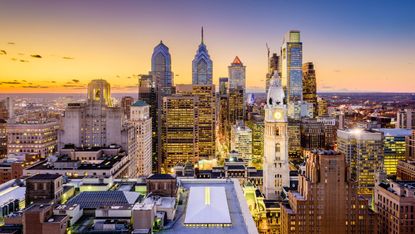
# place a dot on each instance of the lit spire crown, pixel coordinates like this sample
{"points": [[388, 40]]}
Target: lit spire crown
{"points": [[275, 95]]}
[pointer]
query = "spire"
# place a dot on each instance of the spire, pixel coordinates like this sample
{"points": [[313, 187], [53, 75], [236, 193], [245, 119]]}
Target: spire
{"points": [[202, 35]]}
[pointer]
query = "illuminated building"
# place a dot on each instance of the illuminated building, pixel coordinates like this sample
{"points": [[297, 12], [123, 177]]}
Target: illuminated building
{"points": [[147, 92], [126, 103], [394, 147], [180, 131], [310, 85], [395, 205], [276, 169], [206, 116], [140, 118], [3, 138], [241, 141], [273, 66], [326, 200], [406, 119], [99, 91], [410, 146], [291, 72], [45, 188], [224, 128], [202, 65], [39, 137], [256, 124], [236, 91], [321, 107], [163, 81], [364, 155], [161, 68]]}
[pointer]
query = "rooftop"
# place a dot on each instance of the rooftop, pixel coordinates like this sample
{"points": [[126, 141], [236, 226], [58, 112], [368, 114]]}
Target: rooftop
{"points": [[207, 205], [94, 200], [44, 177], [395, 132], [161, 177], [140, 103]]}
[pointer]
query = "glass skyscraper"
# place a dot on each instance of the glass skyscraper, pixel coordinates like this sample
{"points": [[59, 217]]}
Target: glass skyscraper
{"points": [[236, 91], [202, 65], [291, 66]]}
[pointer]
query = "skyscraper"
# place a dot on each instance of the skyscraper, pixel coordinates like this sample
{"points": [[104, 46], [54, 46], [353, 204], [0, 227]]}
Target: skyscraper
{"points": [[364, 155], [140, 118], [147, 92], [206, 117], [310, 85], [273, 66], [179, 131], [276, 168], [327, 200], [161, 67], [223, 112], [291, 66], [202, 65], [236, 91], [163, 80]]}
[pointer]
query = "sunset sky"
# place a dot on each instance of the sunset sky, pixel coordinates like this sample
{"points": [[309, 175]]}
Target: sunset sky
{"points": [[59, 46]]}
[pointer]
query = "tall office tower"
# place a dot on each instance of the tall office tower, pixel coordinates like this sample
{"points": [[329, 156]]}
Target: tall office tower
{"points": [[406, 119], [163, 80], [223, 113], [394, 147], [321, 107], [256, 124], [147, 92], [241, 141], [276, 169], [236, 91], [3, 138], [126, 103], [202, 65], [395, 206], [364, 155], [140, 118], [206, 116], [273, 66], [180, 132], [310, 86], [37, 136], [326, 200], [291, 72], [410, 147]]}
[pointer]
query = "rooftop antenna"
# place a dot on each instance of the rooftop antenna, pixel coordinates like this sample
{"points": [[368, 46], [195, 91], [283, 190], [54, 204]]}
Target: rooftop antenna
{"points": [[202, 35]]}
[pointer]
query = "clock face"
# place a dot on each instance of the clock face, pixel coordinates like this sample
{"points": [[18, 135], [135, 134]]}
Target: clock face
{"points": [[277, 115]]}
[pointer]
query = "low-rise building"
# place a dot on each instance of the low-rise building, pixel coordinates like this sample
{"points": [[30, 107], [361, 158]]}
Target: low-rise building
{"points": [[395, 205]]}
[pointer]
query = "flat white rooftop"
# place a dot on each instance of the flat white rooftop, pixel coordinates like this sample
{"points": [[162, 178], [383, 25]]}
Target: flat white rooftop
{"points": [[207, 205]]}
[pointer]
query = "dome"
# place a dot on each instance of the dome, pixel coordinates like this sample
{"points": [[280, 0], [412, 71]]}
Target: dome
{"points": [[275, 95]]}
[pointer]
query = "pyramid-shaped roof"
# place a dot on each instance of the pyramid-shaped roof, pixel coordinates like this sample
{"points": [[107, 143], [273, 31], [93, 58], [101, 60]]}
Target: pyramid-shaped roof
{"points": [[237, 61]]}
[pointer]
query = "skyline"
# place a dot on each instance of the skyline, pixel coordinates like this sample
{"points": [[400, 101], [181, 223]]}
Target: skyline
{"points": [[61, 46]]}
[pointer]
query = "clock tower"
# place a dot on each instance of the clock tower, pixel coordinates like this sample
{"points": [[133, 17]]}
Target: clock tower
{"points": [[276, 169]]}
